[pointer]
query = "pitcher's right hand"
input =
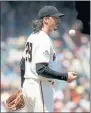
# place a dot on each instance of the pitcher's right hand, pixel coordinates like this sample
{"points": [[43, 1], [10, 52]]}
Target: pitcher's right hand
{"points": [[71, 77]]}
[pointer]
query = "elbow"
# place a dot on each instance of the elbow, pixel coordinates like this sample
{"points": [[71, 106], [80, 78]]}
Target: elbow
{"points": [[40, 68]]}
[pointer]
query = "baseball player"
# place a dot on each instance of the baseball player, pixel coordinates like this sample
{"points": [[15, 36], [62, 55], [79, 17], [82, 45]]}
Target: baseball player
{"points": [[39, 52]]}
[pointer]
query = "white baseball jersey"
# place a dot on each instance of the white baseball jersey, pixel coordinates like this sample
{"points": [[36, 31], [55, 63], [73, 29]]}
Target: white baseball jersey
{"points": [[38, 49]]}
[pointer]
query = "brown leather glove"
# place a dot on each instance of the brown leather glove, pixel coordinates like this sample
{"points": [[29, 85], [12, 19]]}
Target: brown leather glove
{"points": [[15, 101]]}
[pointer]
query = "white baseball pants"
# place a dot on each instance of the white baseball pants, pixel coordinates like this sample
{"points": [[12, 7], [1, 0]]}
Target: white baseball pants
{"points": [[38, 96]]}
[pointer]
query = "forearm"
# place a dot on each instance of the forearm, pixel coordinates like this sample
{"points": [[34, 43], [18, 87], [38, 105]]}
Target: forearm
{"points": [[22, 70], [22, 76], [43, 70]]}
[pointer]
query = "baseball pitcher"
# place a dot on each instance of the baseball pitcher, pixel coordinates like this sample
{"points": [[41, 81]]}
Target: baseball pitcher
{"points": [[39, 78]]}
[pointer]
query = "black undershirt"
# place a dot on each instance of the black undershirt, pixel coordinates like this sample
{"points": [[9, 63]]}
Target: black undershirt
{"points": [[42, 69]]}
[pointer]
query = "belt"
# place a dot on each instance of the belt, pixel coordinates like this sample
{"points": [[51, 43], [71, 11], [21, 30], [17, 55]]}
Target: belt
{"points": [[52, 82]]}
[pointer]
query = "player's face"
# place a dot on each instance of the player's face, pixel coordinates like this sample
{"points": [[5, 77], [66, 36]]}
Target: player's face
{"points": [[53, 22]]}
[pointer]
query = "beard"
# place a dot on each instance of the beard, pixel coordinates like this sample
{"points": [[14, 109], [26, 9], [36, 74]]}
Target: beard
{"points": [[56, 28]]}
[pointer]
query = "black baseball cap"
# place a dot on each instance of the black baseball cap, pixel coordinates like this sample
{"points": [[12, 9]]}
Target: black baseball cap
{"points": [[49, 11]]}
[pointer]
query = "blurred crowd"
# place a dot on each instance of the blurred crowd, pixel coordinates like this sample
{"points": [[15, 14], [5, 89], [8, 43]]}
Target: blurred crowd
{"points": [[72, 54]]}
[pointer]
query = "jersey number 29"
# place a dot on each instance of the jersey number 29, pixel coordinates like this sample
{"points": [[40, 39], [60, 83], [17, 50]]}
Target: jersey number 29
{"points": [[29, 51]]}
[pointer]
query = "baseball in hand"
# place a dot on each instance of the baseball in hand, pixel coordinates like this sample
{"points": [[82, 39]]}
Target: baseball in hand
{"points": [[72, 32]]}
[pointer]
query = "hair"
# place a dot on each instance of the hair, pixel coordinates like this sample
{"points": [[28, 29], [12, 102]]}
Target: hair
{"points": [[37, 25]]}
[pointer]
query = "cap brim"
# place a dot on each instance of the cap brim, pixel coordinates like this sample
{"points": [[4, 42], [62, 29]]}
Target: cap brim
{"points": [[59, 15]]}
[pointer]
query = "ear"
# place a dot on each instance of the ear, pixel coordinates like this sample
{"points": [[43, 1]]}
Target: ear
{"points": [[46, 19]]}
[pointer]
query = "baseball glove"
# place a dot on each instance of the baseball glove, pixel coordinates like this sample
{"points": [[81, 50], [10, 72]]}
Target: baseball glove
{"points": [[15, 101]]}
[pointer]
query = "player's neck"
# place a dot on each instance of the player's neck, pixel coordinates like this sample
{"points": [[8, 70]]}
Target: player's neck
{"points": [[46, 31]]}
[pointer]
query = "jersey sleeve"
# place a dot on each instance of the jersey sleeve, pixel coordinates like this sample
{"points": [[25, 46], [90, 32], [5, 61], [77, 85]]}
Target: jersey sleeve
{"points": [[43, 53]]}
